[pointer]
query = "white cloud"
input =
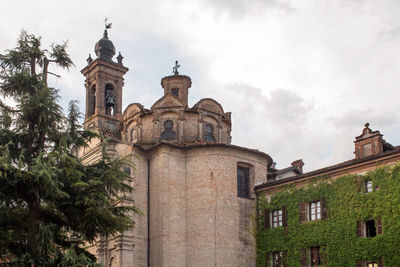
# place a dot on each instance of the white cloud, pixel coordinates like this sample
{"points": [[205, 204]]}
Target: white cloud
{"points": [[337, 62]]}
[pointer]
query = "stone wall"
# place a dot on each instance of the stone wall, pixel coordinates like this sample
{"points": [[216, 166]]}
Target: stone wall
{"points": [[196, 217]]}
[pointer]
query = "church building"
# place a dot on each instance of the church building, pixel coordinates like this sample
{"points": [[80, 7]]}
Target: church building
{"points": [[194, 188], [206, 202]]}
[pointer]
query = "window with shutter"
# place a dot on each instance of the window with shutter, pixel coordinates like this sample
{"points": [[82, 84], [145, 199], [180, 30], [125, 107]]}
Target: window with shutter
{"points": [[312, 211], [368, 186], [368, 264], [315, 210], [277, 218], [276, 259], [315, 256], [369, 228]]}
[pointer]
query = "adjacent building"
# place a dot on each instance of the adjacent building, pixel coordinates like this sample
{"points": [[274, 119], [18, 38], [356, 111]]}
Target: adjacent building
{"points": [[342, 215]]}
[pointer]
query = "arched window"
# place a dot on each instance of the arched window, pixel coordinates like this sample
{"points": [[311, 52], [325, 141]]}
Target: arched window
{"points": [[209, 133], [243, 180], [168, 133], [133, 137], [110, 99], [92, 100]]}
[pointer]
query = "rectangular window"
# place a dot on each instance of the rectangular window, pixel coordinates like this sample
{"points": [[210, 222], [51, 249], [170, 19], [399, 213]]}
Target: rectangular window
{"points": [[368, 186], [314, 256], [378, 263], [277, 218], [370, 228], [276, 259], [243, 180], [175, 92], [312, 211], [315, 210]]}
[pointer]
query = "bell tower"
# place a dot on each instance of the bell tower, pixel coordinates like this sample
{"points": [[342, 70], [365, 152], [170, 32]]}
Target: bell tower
{"points": [[104, 82]]}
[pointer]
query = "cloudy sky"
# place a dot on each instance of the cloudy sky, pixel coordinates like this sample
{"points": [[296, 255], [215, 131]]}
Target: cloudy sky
{"points": [[300, 77]]}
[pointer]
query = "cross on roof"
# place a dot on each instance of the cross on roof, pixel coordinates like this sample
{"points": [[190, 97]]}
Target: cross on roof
{"points": [[175, 68]]}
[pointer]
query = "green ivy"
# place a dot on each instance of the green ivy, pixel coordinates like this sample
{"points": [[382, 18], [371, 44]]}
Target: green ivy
{"points": [[345, 206]]}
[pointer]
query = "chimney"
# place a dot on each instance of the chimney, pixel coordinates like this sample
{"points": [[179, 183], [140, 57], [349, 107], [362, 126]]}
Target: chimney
{"points": [[299, 164]]}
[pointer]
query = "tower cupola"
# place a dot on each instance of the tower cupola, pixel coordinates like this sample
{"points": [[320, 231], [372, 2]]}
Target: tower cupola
{"points": [[177, 85], [104, 48]]}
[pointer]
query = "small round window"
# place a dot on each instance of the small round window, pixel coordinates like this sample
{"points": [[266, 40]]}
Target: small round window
{"points": [[168, 125]]}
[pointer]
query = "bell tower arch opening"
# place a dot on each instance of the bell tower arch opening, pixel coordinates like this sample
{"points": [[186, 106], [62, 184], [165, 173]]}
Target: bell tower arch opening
{"points": [[109, 99]]}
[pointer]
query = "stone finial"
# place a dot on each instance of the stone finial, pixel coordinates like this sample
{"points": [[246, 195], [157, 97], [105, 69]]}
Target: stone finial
{"points": [[366, 130], [89, 60], [175, 68], [120, 58]]}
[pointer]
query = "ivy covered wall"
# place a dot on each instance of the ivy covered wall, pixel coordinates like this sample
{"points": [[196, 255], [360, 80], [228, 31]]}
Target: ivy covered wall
{"points": [[345, 205]]}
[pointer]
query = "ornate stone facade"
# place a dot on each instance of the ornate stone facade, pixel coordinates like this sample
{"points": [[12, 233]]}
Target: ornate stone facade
{"points": [[186, 175]]}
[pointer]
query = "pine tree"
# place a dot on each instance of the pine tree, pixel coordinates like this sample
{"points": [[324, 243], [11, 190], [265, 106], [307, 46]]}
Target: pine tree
{"points": [[50, 203]]}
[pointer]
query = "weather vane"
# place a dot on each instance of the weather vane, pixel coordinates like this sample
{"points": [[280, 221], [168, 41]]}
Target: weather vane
{"points": [[108, 25], [175, 68]]}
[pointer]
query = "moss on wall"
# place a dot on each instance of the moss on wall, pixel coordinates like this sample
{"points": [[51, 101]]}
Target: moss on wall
{"points": [[345, 206]]}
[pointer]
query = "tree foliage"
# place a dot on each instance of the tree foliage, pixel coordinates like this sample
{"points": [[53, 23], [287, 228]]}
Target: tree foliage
{"points": [[50, 203]]}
